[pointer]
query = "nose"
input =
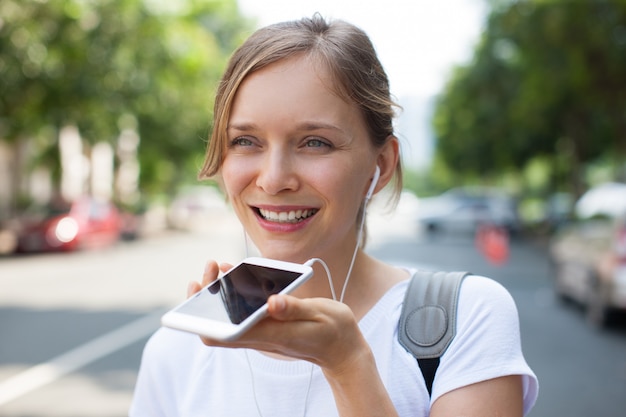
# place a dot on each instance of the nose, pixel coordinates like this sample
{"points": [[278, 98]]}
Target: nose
{"points": [[277, 174]]}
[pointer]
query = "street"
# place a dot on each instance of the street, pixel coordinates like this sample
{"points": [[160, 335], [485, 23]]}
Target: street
{"points": [[72, 326]]}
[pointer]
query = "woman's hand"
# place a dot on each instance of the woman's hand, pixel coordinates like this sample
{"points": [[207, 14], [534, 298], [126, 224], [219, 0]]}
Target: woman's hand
{"points": [[318, 330], [326, 333], [322, 331]]}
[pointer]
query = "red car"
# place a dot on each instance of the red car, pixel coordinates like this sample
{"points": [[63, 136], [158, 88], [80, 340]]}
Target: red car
{"points": [[84, 223]]}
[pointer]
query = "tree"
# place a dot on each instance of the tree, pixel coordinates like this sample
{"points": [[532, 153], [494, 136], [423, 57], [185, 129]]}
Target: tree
{"points": [[107, 65], [546, 80]]}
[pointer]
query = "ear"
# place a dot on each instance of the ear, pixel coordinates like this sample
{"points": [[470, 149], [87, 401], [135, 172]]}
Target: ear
{"points": [[387, 160]]}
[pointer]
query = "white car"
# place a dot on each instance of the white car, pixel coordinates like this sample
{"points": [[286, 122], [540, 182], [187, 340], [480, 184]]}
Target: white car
{"points": [[589, 254], [464, 210]]}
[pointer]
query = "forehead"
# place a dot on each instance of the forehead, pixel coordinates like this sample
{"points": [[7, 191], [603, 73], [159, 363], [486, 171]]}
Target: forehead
{"points": [[310, 63], [298, 86]]}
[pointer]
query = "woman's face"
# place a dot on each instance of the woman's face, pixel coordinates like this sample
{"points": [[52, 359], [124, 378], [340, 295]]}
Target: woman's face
{"points": [[299, 162]]}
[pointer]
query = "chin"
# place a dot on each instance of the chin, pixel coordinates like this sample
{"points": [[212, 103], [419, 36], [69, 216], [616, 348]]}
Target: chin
{"points": [[284, 255]]}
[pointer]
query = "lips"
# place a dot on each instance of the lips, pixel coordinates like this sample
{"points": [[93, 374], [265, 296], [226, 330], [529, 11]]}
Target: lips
{"points": [[290, 216]]}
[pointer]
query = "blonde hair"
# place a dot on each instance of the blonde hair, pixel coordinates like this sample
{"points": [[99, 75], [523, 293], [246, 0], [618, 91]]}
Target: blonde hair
{"points": [[343, 48]]}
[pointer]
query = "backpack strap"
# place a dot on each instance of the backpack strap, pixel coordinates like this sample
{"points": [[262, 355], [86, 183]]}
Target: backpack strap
{"points": [[428, 320]]}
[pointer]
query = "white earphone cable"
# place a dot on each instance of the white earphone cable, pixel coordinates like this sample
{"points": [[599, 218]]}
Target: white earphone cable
{"points": [[311, 261]]}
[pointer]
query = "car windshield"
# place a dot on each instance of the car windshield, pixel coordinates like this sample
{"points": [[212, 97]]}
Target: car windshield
{"points": [[607, 199], [47, 211]]}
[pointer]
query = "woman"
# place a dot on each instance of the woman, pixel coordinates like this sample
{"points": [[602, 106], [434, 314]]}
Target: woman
{"points": [[303, 122]]}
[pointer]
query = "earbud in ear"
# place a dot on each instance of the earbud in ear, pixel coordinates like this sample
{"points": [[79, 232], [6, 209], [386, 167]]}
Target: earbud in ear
{"points": [[370, 191]]}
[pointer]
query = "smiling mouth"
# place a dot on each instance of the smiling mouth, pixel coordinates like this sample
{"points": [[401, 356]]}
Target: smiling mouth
{"points": [[293, 216]]}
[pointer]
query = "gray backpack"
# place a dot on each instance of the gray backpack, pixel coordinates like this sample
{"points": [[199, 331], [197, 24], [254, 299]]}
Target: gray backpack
{"points": [[428, 321]]}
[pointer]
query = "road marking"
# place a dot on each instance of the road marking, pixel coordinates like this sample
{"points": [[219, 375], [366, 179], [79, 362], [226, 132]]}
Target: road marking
{"points": [[47, 372]]}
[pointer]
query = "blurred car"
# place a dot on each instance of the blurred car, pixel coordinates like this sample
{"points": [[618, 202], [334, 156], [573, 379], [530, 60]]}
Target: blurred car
{"points": [[466, 209], [63, 226], [589, 254]]}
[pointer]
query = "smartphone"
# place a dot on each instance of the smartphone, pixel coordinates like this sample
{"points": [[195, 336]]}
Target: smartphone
{"points": [[229, 306]]}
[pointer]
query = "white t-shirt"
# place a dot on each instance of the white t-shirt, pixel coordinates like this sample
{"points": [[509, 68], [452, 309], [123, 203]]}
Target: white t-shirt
{"points": [[179, 376]]}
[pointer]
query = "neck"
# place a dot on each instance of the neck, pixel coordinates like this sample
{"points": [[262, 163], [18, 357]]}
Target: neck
{"points": [[339, 269]]}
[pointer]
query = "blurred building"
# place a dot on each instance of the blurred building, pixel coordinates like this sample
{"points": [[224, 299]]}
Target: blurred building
{"points": [[84, 170]]}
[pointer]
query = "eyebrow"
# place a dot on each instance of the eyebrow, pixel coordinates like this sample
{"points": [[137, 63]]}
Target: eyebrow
{"points": [[241, 126], [304, 126]]}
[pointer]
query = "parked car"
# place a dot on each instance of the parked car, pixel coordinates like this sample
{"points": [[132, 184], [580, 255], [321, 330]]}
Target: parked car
{"points": [[64, 226], [589, 254], [466, 209]]}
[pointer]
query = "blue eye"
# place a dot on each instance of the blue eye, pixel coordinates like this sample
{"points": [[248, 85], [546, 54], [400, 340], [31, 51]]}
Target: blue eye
{"points": [[316, 143], [241, 141]]}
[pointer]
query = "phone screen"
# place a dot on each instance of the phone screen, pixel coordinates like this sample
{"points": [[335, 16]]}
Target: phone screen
{"points": [[239, 293]]}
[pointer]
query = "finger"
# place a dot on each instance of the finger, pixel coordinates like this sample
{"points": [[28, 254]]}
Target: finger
{"points": [[224, 267], [211, 271], [277, 307], [192, 288], [286, 307]]}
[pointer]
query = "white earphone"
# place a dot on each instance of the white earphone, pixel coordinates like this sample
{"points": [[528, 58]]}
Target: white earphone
{"points": [[370, 191]]}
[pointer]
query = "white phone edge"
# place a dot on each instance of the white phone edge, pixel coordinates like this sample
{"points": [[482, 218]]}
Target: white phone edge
{"points": [[227, 331]]}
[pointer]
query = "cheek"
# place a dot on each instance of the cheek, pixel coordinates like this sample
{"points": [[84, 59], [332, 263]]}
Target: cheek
{"points": [[235, 177], [342, 191]]}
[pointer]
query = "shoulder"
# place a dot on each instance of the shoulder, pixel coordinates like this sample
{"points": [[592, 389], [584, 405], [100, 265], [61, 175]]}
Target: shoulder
{"points": [[480, 289], [483, 307], [165, 338], [478, 284], [486, 320], [484, 299], [487, 344], [168, 350], [476, 293]]}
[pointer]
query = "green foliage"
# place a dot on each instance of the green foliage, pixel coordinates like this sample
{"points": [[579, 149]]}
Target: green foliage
{"points": [[105, 65], [546, 81]]}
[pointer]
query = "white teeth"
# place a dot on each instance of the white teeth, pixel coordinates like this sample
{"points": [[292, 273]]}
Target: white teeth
{"points": [[292, 216]]}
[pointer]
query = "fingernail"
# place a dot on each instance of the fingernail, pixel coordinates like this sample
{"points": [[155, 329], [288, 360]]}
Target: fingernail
{"points": [[279, 303]]}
